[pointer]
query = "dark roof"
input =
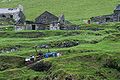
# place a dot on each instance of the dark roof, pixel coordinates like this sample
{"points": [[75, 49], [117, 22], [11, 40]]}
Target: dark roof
{"points": [[117, 7], [29, 22], [46, 18]]}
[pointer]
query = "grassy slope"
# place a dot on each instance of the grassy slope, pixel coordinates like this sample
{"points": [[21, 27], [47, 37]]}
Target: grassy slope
{"points": [[83, 65], [74, 60], [74, 10]]}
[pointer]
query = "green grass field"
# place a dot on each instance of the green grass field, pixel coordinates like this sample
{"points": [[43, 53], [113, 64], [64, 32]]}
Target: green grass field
{"points": [[84, 61], [96, 57]]}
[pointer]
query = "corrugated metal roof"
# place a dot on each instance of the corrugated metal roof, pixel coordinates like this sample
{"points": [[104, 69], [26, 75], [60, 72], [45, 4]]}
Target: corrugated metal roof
{"points": [[8, 10]]}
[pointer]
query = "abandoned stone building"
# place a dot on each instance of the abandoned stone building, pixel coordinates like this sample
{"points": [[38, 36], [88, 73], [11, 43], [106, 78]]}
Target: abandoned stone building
{"points": [[14, 14], [114, 17], [47, 21]]}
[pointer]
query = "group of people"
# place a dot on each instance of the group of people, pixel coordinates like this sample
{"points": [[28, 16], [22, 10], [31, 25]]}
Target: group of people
{"points": [[40, 56]]}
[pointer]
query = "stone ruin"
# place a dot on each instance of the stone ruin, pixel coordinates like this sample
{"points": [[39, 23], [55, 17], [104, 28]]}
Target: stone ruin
{"points": [[114, 17]]}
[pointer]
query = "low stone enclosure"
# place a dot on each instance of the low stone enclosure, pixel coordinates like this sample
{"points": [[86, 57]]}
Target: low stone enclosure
{"points": [[60, 44], [9, 49], [66, 43]]}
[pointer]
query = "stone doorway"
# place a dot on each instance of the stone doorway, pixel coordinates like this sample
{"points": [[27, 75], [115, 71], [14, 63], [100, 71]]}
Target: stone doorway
{"points": [[108, 19], [33, 27]]}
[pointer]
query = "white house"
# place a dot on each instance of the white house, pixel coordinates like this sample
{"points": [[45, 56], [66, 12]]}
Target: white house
{"points": [[13, 13]]}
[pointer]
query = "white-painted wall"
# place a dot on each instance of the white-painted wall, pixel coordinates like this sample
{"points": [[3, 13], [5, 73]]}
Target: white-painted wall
{"points": [[54, 27]]}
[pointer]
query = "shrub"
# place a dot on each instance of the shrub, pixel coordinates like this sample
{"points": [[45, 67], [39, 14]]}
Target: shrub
{"points": [[111, 63], [4, 66], [10, 62]]}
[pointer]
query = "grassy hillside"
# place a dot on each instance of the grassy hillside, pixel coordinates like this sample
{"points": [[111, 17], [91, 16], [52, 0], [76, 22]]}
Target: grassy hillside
{"points": [[96, 57], [74, 10], [91, 53]]}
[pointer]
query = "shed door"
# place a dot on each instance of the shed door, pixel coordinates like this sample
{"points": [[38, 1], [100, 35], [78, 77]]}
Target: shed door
{"points": [[107, 19], [11, 16], [33, 27]]}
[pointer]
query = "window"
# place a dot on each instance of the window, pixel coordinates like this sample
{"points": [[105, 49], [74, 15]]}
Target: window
{"points": [[11, 16], [3, 16], [10, 9]]}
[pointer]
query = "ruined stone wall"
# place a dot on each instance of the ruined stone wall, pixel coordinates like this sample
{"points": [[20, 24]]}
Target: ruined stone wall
{"points": [[42, 27], [104, 19], [18, 17], [115, 17]]}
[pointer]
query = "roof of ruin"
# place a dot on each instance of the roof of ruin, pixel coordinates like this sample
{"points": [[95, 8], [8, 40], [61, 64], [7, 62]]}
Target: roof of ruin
{"points": [[46, 18], [8, 10]]}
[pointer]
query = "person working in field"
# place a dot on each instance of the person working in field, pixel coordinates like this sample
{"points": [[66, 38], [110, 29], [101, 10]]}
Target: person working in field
{"points": [[39, 56]]}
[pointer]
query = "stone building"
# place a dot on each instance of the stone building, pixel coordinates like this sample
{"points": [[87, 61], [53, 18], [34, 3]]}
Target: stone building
{"points": [[114, 17], [46, 18], [14, 14], [47, 21]]}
